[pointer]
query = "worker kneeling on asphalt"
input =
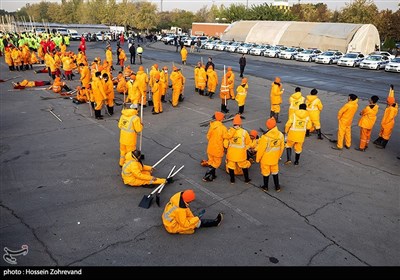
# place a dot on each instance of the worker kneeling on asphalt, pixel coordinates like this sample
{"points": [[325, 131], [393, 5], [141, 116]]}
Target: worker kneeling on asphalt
{"points": [[136, 174], [178, 218]]}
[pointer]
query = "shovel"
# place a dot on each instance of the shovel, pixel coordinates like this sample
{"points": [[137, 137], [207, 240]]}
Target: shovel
{"points": [[330, 140], [169, 176]]}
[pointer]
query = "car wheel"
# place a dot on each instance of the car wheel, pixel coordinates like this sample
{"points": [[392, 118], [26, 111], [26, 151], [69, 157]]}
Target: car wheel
{"points": [[354, 64], [330, 62], [276, 55], [377, 67], [309, 60]]}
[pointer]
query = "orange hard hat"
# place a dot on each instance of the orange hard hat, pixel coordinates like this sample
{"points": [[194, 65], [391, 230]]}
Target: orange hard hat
{"points": [[229, 68], [219, 116], [155, 65], [244, 81], [188, 196], [133, 77], [141, 68], [174, 68], [277, 80], [390, 100], [271, 123], [254, 133], [237, 120]]}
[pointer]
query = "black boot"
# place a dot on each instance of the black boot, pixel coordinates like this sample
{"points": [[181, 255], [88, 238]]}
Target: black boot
{"points": [[296, 160], [213, 173], [265, 186], [110, 110], [163, 99], [319, 134], [212, 223], [246, 175], [208, 177], [232, 175], [288, 156], [211, 94], [222, 107], [378, 141], [307, 133], [276, 182], [97, 114], [382, 144], [271, 114], [201, 92], [92, 104]]}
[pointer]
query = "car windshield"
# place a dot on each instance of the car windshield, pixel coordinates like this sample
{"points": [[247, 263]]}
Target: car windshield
{"points": [[328, 53], [307, 52], [290, 50], [351, 55], [397, 60], [374, 58]]}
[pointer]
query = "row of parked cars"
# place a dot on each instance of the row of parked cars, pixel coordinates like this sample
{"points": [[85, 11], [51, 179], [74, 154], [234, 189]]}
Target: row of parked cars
{"points": [[376, 60]]}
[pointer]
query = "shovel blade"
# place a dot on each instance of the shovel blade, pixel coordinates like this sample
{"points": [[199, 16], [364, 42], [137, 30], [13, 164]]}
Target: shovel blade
{"points": [[146, 201]]}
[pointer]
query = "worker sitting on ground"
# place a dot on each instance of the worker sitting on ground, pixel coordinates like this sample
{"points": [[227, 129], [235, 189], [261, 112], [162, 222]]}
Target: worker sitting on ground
{"points": [[26, 83], [135, 173], [58, 85], [82, 95], [178, 218]]}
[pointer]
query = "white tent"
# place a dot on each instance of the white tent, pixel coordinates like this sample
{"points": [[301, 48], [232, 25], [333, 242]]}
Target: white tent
{"points": [[322, 35]]}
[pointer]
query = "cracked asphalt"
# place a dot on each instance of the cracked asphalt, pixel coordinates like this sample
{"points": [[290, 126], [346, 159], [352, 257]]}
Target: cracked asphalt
{"points": [[62, 193]]}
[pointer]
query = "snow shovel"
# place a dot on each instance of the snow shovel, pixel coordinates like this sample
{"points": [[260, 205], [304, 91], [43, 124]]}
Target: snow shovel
{"points": [[330, 140], [160, 190], [147, 199], [141, 132]]}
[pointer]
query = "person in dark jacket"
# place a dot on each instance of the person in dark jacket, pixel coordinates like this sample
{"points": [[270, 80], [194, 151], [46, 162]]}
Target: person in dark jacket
{"points": [[132, 51], [242, 64]]}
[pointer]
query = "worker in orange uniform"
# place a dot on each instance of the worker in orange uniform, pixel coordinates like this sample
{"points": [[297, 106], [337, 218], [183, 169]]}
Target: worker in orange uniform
{"points": [[195, 74], [314, 108], [224, 93], [252, 147], [178, 218], [215, 147], [130, 125], [295, 129], [109, 58], [109, 91], [136, 174], [163, 83], [212, 81], [142, 80], [98, 94], [82, 95], [156, 94], [270, 148], [387, 122], [295, 100], [177, 84], [276, 98], [231, 82], [58, 85], [153, 71], [241, 95], [84, 75], [122, 58], [184, 54], [122, 87], [25, 83], [236, 141], [345, 118], [134, 95], [366, 122], [201, 79]]}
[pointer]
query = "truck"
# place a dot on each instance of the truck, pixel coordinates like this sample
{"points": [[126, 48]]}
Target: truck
{"points": [[172, 31], [117, 29]]}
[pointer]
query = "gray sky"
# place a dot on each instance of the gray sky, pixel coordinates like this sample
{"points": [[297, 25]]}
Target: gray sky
{"points": [[194, 5]]}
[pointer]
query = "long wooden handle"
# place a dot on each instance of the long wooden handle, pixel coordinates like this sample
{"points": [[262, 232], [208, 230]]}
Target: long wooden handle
{"points": [[158, 162]]}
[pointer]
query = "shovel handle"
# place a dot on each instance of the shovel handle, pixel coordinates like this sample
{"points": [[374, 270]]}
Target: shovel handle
{"points": [[156, 189], [158, 162], [176, 172]]}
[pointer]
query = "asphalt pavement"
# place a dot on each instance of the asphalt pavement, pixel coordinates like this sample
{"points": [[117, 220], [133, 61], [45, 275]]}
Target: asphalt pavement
{"points": [[62, 193]]}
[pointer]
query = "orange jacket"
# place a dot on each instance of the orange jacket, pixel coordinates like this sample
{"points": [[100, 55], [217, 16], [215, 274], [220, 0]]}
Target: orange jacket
{"points": [[238, 140], [389, 116], [270, 147], [178, 218], [276, 94], [297, 125], [368, 116], [129, 124], [215, 137], [314, 106], [294, 101], [346, 113]]}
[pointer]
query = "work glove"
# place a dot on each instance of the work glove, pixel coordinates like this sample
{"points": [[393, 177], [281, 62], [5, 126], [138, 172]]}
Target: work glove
{"points": [[170, 180]]}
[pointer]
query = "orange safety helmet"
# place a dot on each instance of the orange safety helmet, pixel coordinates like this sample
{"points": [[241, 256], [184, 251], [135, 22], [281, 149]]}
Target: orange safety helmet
{"points": [[219, 116], [141, 68], [271, 123], [237, 120], [277, 80], [254, 133], [244, 81], [188, 196], [390, 100]]}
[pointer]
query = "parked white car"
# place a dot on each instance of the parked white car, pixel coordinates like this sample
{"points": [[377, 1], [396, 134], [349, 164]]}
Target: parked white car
{"points": [[245, 49], [259, 50], [233, 47], [105, 35], [211, 45], [351, 59], [308, 55], [375, 62], [290, 53], [329, 57], [388, 54], [274, 51], [393, 65], [222, 45]]}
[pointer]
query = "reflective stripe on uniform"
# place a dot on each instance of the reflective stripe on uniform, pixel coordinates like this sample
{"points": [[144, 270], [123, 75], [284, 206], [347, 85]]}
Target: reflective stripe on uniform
{"points": [[293, 128], [312, 106], [240, 146], [126, 166], [130, 125], [166, 214]]}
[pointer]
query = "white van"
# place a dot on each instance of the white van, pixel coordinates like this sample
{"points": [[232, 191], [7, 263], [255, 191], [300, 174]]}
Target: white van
{"points": [[74, 35], [62, 31]]}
